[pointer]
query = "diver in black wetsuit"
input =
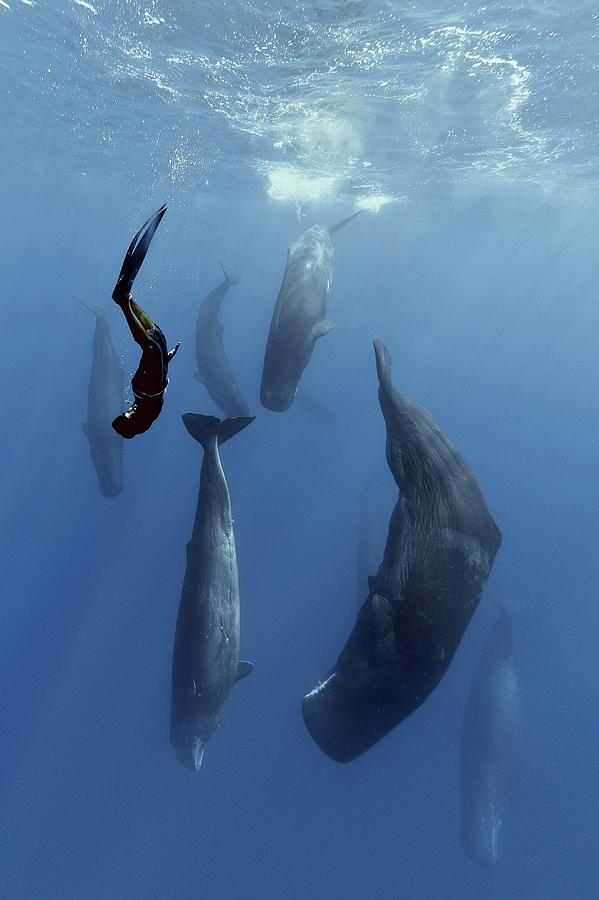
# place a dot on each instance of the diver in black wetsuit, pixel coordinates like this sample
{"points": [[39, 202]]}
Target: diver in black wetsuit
{"points": [[151, 379]]}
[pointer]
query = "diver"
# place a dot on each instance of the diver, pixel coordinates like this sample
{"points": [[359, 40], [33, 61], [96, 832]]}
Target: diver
{"points": [[151, 379]]}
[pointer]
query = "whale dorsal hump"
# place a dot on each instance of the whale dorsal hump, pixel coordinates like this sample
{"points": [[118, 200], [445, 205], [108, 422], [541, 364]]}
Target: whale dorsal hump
{"points": [[382, 625]]}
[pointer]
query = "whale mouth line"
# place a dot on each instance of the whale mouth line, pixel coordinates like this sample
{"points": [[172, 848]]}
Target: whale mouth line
{"points": [[495, 826], [276, 404], [198, 752], [322, 684]]}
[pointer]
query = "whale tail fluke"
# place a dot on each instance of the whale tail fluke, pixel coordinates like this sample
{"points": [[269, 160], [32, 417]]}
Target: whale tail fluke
{"points": [[205, 429], [230, 427], [99, 311], [345, 222], [229, 281]]}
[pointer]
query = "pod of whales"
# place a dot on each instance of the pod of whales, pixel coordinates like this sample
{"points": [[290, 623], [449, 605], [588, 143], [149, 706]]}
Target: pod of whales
{"points": [[298, 319], [206, 651], [490, 753], [214, 370], [104, 401], [440, 548]]}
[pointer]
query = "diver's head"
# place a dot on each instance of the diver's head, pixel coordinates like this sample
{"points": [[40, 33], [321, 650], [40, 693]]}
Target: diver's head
{"points": [[132, 422]]}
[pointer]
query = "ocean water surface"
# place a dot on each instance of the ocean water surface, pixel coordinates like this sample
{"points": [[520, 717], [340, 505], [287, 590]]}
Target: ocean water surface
{"points": [[469, 135]]}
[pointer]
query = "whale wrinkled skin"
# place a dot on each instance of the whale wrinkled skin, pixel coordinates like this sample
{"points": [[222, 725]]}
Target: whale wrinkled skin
{"points": [[491, 740], [440, 548], [206, 650]]}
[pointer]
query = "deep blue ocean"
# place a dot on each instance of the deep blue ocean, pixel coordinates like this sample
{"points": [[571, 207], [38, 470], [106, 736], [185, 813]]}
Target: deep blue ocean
{"points": [[469, 134]]}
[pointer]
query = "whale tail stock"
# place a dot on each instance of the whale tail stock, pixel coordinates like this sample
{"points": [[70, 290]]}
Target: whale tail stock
{"points": [[204, 429], [383, 366], [345, 222], [228, 280]]}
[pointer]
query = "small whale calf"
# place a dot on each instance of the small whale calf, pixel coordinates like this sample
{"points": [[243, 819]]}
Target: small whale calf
{"points": [[298, 320], [206, 660], [214, 370], [104, 401], [440, 548], [490, 754]]}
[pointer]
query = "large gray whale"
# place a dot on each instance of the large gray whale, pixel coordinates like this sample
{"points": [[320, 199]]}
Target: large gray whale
{"points": [[298, 319], [214, 370], [206, 651], [440, 548], [104, 402], [490, 753]]}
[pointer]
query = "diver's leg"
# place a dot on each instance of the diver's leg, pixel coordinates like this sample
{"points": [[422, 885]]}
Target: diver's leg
{"points": [[140, 314], [140, 335]]}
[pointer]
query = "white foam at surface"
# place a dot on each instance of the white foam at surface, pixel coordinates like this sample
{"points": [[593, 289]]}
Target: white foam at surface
{"points": [[290, 183], [87, 6]]}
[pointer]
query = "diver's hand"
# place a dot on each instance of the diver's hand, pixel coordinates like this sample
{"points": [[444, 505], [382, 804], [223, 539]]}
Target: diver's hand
{"points": [[172, 352]]}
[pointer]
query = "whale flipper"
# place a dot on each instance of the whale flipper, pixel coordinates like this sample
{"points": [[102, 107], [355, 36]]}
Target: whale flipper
{"points": [[322, 328], [99, 311], [345, 222], [243, 669]]}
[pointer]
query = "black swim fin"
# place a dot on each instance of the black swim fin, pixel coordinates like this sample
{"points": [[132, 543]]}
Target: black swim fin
{"points": [[136, 253]]}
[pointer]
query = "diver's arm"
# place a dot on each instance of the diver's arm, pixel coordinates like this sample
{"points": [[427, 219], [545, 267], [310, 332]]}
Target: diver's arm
{"points": [[172, 352]]}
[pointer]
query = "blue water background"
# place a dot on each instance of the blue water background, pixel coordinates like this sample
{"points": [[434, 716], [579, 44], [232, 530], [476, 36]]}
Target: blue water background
{"points": [[482, 282]]}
